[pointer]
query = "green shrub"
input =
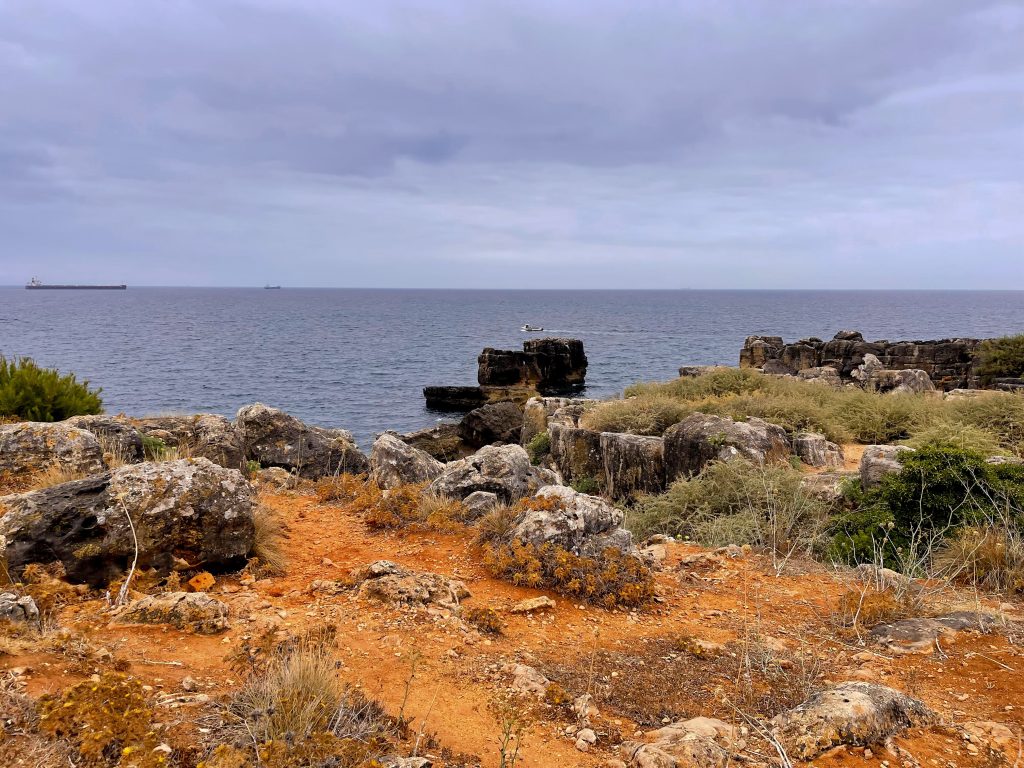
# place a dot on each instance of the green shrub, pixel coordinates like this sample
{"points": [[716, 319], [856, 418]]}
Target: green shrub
{"points": [[588, 485], [641, 415], [736, 502], [999, 414], [1000, 358], [539, 447], [43, 394], [944, 434], [153, 448]]}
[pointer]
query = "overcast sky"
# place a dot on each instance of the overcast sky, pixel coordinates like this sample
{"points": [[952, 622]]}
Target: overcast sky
{"points": [[568, 143]]}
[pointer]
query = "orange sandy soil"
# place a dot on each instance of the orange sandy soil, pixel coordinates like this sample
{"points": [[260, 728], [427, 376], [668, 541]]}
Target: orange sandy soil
{"points": [[975, 677]]}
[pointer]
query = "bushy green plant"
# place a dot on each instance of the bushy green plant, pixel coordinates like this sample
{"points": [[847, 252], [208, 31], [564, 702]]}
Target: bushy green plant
{"points": [[999, 358], [587, 484], [999, 414], [945, 434], [43, 394], [641, 415], [539, 447]]}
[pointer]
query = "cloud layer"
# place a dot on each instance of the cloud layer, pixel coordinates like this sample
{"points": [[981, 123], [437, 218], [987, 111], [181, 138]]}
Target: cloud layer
{"points": [[858, 143]]}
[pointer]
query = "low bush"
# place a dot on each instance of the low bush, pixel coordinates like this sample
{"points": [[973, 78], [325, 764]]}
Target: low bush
{"points": [[587, 484], [539, 447], [1001, 415], [486, 620], [405, 506], [268, 541], [32, 393], [989, 556], [641, 415], [737, 502], [958, 435], [1000, 358]]}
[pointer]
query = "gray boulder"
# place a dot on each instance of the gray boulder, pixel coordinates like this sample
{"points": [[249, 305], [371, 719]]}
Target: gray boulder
{"points": [[682, 745], [822, 375], [394, 462], [276, 439], [816, 450], [115, 434], [30, 446], [877, 461], [189, 510], [391, 583], [205, 435], [852, 714], [479, 503], [578, 520], [702, 438], [189, 611], [633, 464], [576, 451], [492, 423], [503, 470], [18, 610]]}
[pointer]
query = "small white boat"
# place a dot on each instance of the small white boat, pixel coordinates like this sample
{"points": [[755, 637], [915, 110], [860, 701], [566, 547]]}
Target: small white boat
{"points": [[531, 328]]}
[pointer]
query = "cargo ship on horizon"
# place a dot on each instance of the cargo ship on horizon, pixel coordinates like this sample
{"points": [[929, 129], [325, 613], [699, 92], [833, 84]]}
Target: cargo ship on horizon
{"points": [[35, 284]]}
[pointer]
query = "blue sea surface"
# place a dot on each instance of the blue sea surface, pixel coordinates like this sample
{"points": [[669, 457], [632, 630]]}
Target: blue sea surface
{"points": [[359, 358]]}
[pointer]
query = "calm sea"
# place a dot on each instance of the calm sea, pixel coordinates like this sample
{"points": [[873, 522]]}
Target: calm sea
{"points": [[359, 358]]}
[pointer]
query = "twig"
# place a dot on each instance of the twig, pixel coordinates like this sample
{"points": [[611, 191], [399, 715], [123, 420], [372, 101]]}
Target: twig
{"points": [[144, 660], [123, 592], [994, 661], [423, 722]]}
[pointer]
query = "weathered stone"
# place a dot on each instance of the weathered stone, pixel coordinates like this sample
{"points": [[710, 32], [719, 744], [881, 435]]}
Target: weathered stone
{"points": [[492, 423], [920, 635], [949, 363], [693, 371], [279, 478], [275, 439], [391, 583], [852, 714], [576, 452], [30, 446], [394, 462], [441, 441], [18, 610], [676, 746], [701, 438], [191, 509], [205, 435], [827, 486], [533, 605], [526, 679], [877, 461], [576, 519], [633, 464], [503, 470], [479, 503], [551, 366], [191, 611], [463, 399], [824, 375], [816, 450], [536, 413], [116, 434]]}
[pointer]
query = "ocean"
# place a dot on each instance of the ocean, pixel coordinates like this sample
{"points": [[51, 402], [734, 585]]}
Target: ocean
{"points": [[359, 359]]}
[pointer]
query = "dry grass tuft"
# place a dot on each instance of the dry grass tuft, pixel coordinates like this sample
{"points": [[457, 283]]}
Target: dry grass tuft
{"points": [[987, 557], [268, 546], [486, 620], [867, 607], [53, 474]]}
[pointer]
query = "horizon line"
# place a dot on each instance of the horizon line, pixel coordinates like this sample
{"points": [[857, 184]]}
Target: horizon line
{"points": [[553, 290]]}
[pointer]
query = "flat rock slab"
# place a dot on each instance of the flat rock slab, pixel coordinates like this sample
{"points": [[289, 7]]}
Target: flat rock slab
{"points": [[189, 611], [920, 635], [533, 605]]}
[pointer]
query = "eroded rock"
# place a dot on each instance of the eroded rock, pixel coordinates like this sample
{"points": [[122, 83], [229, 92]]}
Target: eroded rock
{"points": [[502, 470], [633, 464], [190, 611], [18, 609], [394, 462], [492, 423], [30, 446], [579, 523], [116, 434], [205, 435], [919, 635], [702, 438], [391, 583], [816, 450], [877, 461]]}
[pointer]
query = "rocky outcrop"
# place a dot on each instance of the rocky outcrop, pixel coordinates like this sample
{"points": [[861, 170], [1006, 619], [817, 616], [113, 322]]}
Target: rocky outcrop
{"points": [[575, 450], [462, 399], [391, 583], [633, 464], [816, 450], [877, 461], [919, 635], [18, 610], [536, 413], [205, 435], [694, 742], [116, 435], [503, 470], [949, 363], [852, 714], [550, 366], [479, 503], [441, 441], [702, 438], [492, 423], [30, 446], [188, 611], [187, 511], [394, 462], [275, 439], [575, 522]]}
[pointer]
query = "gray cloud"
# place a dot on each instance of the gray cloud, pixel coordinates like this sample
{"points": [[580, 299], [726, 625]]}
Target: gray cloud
{"points": [[452, 143]]}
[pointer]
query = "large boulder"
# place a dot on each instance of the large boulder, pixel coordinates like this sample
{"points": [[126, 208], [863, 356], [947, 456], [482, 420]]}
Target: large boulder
{"points": [[189, 611], [394, 462], [549, 366], [503, 470], [275, 439], [18, 609], [702, 438], [575, 450], [205, 435], [852, 714], [391, 583], [877, 461], [694, 742], [575, 521], [187, 511], [492, 423], [442, 441], [633, 464], [816, 450], [30, 446], [116, 435]]}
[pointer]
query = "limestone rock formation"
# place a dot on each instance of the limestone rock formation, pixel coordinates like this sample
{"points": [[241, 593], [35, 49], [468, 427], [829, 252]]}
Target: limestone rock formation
{"points": [[389, 582], [575, 450], [918, 635], [276, 439], [190, 611], [536, 413], [503, 470], [550, 366], [479, 503], [188, 510], [116, 434], [205, 435], [441, 441], [702, 438], [492, 423], [816, 450], [582, 524], [854, 713], [683, 744], [18, 610], [394, 462], [30, 446], [633, 464], [877, 461]]}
